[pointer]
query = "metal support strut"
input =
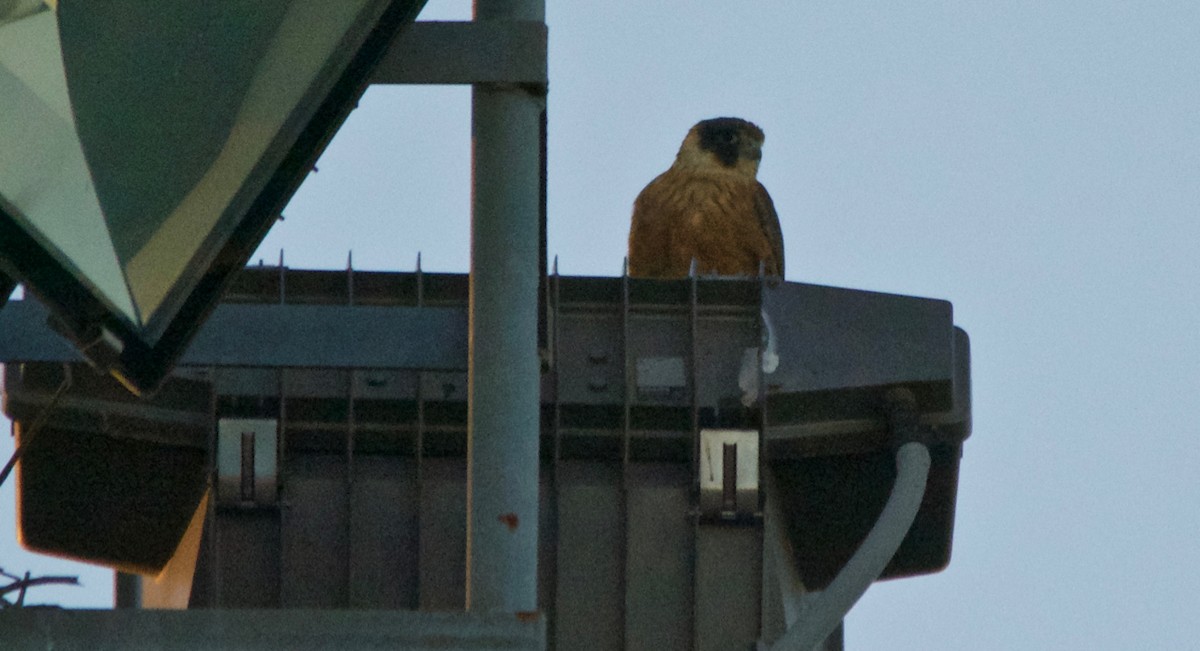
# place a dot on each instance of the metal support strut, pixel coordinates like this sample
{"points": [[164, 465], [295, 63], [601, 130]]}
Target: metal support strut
{"points": [[503, 366]]}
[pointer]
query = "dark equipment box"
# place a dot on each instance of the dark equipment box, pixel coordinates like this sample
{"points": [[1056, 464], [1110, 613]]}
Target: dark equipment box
{"points": [[328, 412]]}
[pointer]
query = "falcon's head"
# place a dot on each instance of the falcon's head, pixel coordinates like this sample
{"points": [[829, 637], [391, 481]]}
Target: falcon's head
{"points": [[729, 144]]}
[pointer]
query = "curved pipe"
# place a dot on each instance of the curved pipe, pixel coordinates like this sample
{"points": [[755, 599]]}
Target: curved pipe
{"points": [[877, 549]]}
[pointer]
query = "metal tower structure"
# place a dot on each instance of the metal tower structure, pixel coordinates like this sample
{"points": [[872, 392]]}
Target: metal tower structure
{"points": [[562, 462]]}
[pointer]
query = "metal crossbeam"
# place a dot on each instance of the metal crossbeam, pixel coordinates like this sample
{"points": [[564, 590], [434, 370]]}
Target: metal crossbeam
{"points": [[42, 628], [485, 52]]}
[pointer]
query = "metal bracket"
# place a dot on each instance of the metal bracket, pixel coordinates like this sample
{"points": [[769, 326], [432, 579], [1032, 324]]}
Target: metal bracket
{"points": [[481, 52], [728, 473], [246, 462]]}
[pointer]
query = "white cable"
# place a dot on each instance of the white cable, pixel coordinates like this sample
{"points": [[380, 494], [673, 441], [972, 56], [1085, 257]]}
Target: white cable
{"points": [[876, 551]]}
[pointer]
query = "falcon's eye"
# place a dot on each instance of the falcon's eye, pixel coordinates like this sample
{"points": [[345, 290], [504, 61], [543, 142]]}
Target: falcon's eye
{"points": [[729, 137]]}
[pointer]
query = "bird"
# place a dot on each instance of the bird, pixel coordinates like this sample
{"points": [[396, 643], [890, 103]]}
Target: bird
{"points": [[708, 214]]}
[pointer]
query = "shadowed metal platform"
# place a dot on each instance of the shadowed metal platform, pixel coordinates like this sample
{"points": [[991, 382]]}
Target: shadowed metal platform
{"points": [[354, 385]]}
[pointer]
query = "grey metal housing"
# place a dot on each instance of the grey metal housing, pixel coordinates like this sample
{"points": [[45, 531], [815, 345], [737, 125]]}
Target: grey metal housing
{"points": [[364, 376]]}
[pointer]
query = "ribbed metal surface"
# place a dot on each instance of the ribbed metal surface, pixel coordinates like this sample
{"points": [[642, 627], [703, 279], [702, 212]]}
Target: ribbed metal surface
{"points": [[373, 476]]}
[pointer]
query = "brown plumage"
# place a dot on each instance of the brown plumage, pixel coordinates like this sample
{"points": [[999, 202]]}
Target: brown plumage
{"points": [[709, 207]]}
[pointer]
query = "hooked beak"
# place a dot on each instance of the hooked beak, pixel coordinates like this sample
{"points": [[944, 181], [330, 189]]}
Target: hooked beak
{"points": [[751, 150]]}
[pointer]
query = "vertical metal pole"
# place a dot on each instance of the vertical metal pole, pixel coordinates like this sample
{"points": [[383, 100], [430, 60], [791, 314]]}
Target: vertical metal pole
{"points": [[503, 366], [127, 590]]}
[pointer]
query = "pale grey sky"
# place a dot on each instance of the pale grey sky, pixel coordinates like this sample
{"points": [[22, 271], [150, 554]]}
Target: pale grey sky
{"points": [[1035, 163]]}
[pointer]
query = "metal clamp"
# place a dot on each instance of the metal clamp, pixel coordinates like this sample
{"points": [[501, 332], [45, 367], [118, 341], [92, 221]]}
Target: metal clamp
{"points": [[728, 473], [246, 462]]}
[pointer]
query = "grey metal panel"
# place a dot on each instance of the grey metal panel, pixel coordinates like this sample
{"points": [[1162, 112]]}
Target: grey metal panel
{"points": [[619, 562], [451, 385], [834, 338], [590, 594], [314, 550], [38, 629], [230, 381], [828, 337], [384, 384], [336, 336], [720, 346], [383, 533], [247, 550], [658, 593], [839, 351], [443, 534], [333, 336], [177, 414], [728, 587], [429, 52], [588, 358], [659, 337], [315, 383]]}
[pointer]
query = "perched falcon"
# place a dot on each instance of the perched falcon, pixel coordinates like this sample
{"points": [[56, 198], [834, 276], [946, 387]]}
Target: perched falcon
{"points": [[708, 207]]}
